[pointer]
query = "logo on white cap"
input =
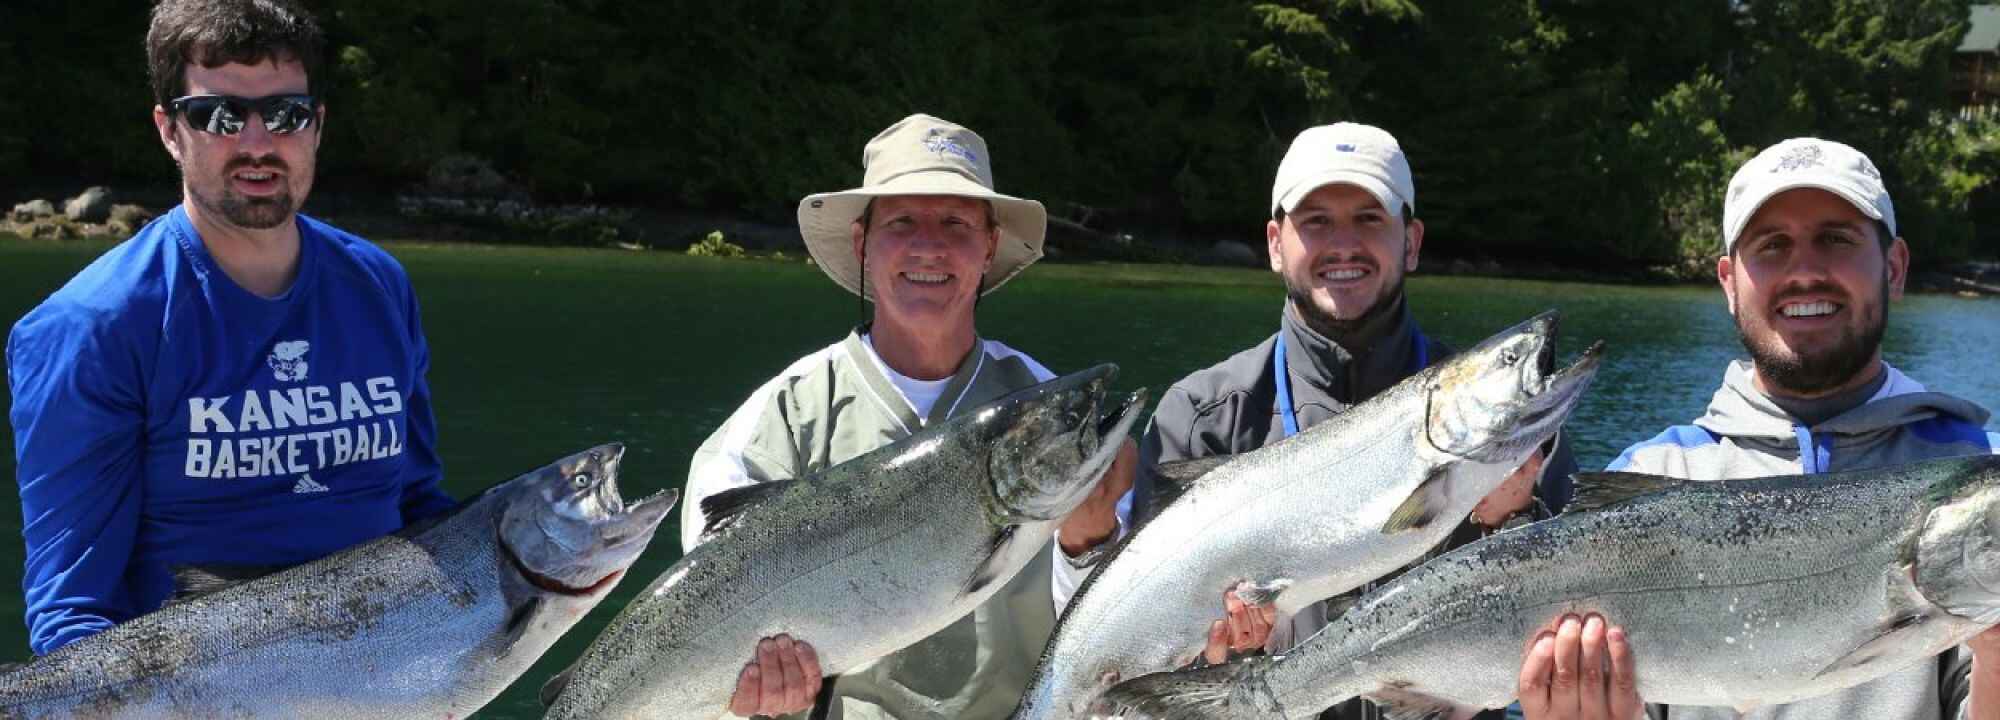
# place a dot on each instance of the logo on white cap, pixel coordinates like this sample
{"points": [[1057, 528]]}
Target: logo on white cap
{"points": [[1799, 158], [1360, 155], [1804, 163]]}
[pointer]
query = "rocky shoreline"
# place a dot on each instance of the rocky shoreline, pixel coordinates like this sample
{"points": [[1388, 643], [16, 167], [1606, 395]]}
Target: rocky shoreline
{"points": [[90, 213], [447, 212]]}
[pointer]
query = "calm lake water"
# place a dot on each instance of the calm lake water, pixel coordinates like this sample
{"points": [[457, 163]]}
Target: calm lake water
{"points": [[540, 352]]}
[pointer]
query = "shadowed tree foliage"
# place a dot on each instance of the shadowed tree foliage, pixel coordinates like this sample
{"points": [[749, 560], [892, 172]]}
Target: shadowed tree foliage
{"points": [[1583, 132]]}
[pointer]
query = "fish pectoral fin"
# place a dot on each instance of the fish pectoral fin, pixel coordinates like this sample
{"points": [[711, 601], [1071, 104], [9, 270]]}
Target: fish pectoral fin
{"points": [[990, 568], [191, 581], [1264, 593], [1399, 704], [1599, 490], [1890, 638], [1423, 506], [723, 508], [557, 683], [517, 620], [1231, 690]]}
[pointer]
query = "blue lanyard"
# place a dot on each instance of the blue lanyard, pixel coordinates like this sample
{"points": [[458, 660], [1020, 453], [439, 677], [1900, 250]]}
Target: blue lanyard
{"points": [[1419, 356]]}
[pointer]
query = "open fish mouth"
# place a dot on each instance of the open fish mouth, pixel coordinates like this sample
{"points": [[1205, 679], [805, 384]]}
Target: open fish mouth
{"points": [[1540, 373], [636, 521], [1561, 390], [1120, 418], [606, 459], [1113, 423], [639, 519], [1545, 360]]}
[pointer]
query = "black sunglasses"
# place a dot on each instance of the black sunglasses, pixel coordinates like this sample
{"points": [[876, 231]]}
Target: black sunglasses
{"points": [[225, 114]]}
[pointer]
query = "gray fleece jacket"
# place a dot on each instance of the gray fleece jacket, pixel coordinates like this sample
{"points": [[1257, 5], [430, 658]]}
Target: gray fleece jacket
{"points": [[1745, 434]]}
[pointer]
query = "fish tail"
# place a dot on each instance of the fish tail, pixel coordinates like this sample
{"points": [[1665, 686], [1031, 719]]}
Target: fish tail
{"points": [[1235, 690]]}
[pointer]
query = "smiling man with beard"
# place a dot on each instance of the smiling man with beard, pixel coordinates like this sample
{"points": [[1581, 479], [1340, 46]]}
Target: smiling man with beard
{"points": [[237, 384], [1810, 264], [1343, 235]]}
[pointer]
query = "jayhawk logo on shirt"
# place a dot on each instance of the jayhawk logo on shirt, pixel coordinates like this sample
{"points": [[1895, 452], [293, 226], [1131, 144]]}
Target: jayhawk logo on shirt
{"points": [[288, 360]]}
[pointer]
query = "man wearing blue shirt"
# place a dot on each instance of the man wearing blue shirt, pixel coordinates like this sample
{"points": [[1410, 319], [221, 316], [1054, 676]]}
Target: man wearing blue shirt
{"points": [[237, 384]]}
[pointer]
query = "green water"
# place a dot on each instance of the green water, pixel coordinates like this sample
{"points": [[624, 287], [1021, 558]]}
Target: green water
{"points": [[540, 352]]}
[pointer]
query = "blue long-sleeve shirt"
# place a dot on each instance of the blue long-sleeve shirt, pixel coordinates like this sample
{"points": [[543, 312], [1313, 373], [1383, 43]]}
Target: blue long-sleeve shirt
{"points": [[164, 416]]}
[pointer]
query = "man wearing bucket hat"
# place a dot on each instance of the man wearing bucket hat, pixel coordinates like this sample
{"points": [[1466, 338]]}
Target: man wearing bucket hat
{"points": [[922, 238], [1810, 263], [1342, 236]]}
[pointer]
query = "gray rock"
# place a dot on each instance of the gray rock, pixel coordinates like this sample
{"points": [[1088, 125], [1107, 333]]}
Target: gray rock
{"points": [[53, 228], [1230, 252], [467, 176], [32, 210], [93, 206], [130, 215]]}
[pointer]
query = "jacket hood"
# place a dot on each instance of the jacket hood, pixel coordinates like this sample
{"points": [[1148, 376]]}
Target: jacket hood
{"points": [[1739, 409]]}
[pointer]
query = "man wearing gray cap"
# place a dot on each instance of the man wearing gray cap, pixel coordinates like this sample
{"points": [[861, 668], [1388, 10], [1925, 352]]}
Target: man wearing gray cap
{"points": [[1343, 234], [922, 238], [1810, 263]]}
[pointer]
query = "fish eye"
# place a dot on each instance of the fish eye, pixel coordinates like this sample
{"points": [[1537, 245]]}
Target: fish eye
{"points": [[1509, 357], [581, 480]]}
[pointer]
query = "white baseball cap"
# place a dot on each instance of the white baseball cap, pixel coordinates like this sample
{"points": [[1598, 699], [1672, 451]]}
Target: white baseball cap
{"points": [[1352, 153], [1804, 163]]}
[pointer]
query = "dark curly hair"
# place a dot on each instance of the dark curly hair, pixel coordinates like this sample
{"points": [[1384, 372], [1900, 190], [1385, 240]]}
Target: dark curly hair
{"points": [[219, 32]]}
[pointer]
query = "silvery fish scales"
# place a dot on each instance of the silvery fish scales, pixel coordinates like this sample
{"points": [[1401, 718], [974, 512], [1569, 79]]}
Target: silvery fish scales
{"points": [[1301, 520], [861, 559], [1738, 593], [431, 622]]}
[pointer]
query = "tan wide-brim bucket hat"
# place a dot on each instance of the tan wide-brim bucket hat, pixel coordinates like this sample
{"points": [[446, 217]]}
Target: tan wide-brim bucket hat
{"points": [[921, 155]]}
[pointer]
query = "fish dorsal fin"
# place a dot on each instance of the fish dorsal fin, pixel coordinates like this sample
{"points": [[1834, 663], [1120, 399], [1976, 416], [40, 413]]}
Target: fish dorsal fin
{"points": [[1183, 472], [1338, 605], [1599, 490], [1398, 704], [723, 508], [1423, 506], [191, 582], [1174, 478]]}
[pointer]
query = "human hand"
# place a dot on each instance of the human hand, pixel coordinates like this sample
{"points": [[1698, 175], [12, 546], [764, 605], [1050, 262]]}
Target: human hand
{"points": [[783, 678], [1581, 669], [1244, 628], [1986, 645], [1513, 495], [1095, 521]]}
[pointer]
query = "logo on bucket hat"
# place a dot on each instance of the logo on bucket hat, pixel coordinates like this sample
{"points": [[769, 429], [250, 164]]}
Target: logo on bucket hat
{"points": [[938, 141]]}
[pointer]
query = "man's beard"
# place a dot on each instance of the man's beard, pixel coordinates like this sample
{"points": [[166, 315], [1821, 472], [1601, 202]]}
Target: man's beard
{"points": [[1803, 375], [261, 213], [1335, 328]]}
